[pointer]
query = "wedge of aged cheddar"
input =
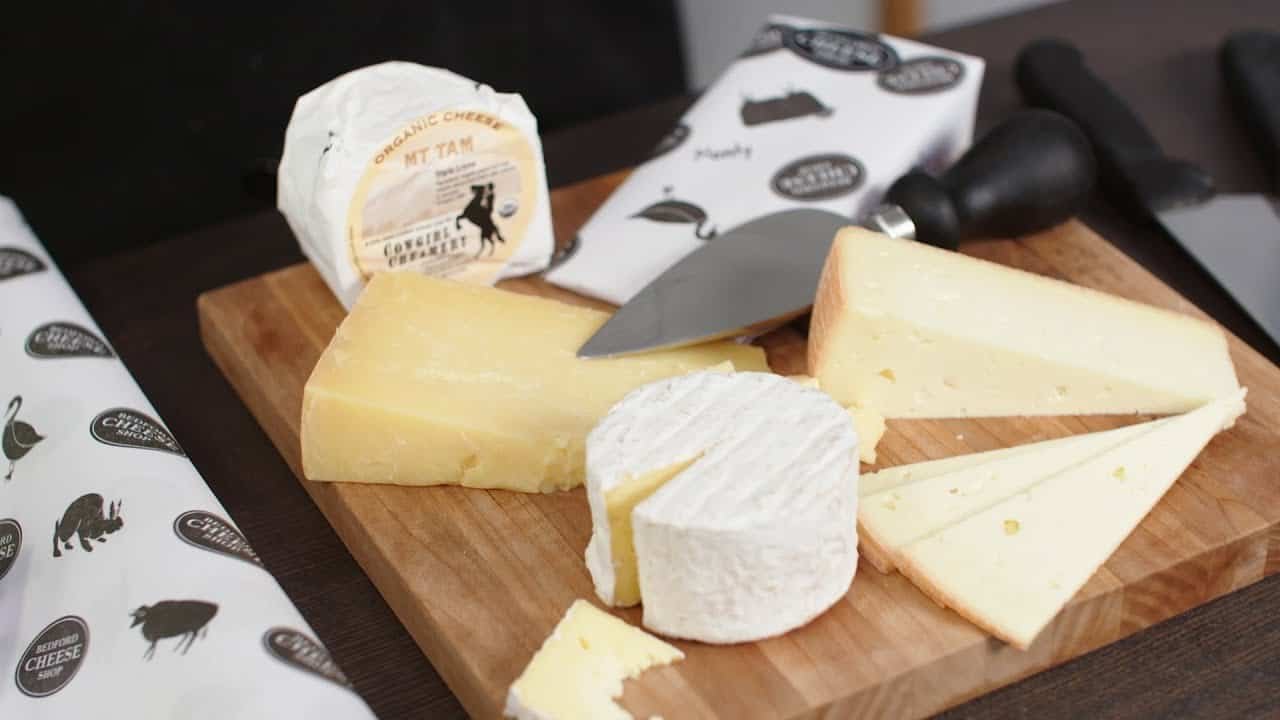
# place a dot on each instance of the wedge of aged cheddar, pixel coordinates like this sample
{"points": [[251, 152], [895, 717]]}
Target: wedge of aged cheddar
{"points": [[891, 518], [1011, 567], [578, 672], [915, 331], [431, 382], [742, 495]]}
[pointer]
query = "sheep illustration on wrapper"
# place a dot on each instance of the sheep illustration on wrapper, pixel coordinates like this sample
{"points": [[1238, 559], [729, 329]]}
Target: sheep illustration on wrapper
{"points": [[183, 619]]}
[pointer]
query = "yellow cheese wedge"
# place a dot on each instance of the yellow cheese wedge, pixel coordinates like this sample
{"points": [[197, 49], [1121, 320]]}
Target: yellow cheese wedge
{"points": [[431, 382], [578, 671], [891, 518], [1010, 568], [915, 331], [867, 423]]}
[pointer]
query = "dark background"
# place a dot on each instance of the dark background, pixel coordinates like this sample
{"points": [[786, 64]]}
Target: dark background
{"points": [[129, 122]]}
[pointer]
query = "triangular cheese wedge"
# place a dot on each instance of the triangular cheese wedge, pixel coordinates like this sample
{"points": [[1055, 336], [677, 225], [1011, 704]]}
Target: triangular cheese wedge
{"points": [[916, 331], [1010, 568], [578, 671], [889, 519]]}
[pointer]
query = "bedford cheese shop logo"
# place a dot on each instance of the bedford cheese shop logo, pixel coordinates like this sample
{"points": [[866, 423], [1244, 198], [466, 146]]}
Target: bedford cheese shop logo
{"points": [[771, 37], [299, 651], [842, 49], [66, 340], [922, 76], [818, 177], [674, 138], [15, 262], [123, 427], [53, 658], [207, 531], [10, 545]]}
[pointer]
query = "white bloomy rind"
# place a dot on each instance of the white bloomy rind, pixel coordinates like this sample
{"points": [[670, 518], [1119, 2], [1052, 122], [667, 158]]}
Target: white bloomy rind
{"points": [[758, 536]]}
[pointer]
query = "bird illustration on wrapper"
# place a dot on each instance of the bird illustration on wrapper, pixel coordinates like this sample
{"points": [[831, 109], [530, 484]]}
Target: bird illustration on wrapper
{"points": [[84, 518], [19, 437], [183, 619], [669, 210]]}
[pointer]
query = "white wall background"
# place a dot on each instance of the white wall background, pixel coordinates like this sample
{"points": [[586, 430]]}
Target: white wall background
{"points": [[714, 32]]}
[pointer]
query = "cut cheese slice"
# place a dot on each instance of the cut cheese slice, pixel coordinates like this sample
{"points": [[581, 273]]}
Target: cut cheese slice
{"points": [[892, 477], [431, 382], [1011, 567], [578, 672], [742, 493], [915, 331], [890, 519]]}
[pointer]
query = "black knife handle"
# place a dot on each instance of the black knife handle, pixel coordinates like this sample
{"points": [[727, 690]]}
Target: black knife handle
{"points": [[1250, 63], [1027, 174], [1131, 166]]}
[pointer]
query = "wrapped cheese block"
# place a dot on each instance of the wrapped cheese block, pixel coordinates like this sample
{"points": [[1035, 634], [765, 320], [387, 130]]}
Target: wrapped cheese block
{"points": [[400, 166]]}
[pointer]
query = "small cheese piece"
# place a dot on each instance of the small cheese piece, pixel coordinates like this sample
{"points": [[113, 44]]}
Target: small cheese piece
{"points": [[894, 517], [915, 331], [748, 529], [578, 672], [1010, 568], [868, 423], [431, 381]]}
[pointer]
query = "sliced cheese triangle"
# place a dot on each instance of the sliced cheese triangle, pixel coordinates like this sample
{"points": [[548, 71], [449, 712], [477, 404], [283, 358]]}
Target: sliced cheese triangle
{"points": [[915, 331], [578, 672], [1011, 567], [893, 517]]}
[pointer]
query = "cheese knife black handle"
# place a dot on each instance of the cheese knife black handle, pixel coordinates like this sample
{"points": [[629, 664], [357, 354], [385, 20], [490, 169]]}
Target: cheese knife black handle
{"points": [[1027, 174], [1132, 167], [1250, 62]]}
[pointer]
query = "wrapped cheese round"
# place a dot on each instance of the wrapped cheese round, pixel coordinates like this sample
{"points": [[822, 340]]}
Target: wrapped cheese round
{"points": [[725, 503], [399, 166]]}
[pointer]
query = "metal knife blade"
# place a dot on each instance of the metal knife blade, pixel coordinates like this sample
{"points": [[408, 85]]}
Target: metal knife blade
{"points": [[727, 286], [1236, 238]]}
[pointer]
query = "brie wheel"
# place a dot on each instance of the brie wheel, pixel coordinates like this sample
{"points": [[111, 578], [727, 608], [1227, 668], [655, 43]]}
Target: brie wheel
{"points": [[741, 491]]}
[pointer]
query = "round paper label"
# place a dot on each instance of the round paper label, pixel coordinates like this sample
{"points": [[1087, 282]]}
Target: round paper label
{"points": [[451, 194]]}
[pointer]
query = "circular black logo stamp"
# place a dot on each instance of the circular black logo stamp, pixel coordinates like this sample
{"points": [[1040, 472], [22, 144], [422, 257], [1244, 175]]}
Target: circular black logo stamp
{"points": [[921, 76], [123, 427], [842, 49], [53, 658], [10, 544], [771, 37], [297, 650], [672, 140], [818, 177], [15, 261], [63, 339], [209, 532]]}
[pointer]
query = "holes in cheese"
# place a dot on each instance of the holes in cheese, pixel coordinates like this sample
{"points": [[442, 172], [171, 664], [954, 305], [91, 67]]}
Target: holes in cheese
{"points": [[753, 537], [1010, 567], [915, 331], [430, 382]]}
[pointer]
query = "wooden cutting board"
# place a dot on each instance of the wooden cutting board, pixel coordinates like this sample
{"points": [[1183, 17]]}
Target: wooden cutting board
{"points": [[479, 578]]}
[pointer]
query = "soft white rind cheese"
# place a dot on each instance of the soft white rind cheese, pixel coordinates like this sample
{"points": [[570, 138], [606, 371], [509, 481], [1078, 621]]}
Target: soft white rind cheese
{"points": [[757, 535], [1011, 567]]}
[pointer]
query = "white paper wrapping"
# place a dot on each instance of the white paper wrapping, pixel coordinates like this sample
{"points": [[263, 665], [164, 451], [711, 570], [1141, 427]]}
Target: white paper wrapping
{"points": [[125, 590], [812, 115]]}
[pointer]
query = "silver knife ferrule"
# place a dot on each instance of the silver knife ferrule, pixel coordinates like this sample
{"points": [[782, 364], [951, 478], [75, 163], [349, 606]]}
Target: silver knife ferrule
{"points": [[892, 221]]}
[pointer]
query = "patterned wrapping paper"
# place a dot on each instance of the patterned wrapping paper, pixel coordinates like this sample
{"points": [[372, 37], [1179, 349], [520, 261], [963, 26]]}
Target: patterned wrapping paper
{"points": [[811, 115], [125, 589]]}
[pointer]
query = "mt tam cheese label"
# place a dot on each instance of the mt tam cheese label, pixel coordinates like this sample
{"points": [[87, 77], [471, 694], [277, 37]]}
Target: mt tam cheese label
{"points": [[123, 427], [10, 544], [16, 261], [53, 658], [451, 194], [209, 532], [63, 340], [293, 648]]}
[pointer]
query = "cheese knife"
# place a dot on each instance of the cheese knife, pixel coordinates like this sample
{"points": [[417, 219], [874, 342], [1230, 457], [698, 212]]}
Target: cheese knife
{"points": [[1235, 237], [1027, 174]]}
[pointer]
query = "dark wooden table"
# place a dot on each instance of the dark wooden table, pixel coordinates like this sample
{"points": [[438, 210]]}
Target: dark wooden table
{"points": [[1221, 660]]}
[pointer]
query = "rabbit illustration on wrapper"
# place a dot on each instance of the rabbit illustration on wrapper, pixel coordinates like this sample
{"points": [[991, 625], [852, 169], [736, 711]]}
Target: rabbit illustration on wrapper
{"points": [[84, 518]]}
